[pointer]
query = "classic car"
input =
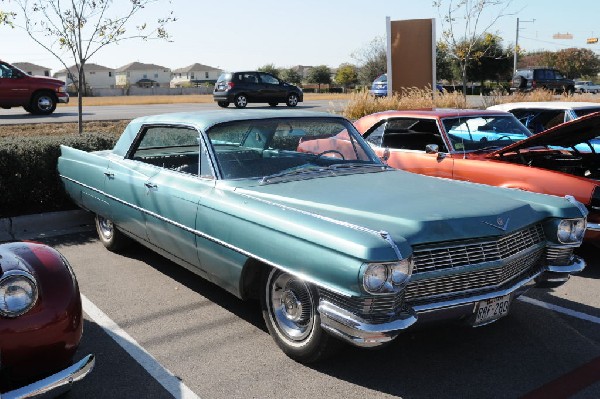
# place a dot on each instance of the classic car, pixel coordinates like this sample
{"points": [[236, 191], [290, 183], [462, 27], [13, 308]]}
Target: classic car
{"points": [[335, 245], [541, 115], [493, 147], [40, 322], [586, 86]]}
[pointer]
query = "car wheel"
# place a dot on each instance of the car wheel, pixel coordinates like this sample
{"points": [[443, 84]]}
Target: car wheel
{"points": [[240, 101], [43, 104], [289, 306], [223, 104], [109, 236], [273, 104], [292, 100]]}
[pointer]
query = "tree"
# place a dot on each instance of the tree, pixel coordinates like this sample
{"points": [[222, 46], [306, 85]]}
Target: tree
{"points": [[577, 62], [320, 74], [538, 58], [490, 60], [470, 14], [291, 75], [84, 27], [372, 60], [347, 74], [444, 63], [270, 68]]}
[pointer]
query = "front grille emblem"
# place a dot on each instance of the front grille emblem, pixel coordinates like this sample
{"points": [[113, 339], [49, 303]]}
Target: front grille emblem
{"points": [[500, 223]]}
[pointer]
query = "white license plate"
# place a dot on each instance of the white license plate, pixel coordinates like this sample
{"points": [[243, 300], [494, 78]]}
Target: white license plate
{"points": [[492, 309]]}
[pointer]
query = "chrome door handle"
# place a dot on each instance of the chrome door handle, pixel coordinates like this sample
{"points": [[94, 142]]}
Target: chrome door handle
{"points": [[151, 186], [109, 175]]}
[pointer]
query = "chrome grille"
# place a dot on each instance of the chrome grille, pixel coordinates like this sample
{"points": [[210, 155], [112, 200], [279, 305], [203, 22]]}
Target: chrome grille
{"points": [[376, 309], [427, 259], [559, 256], [452, 285]]}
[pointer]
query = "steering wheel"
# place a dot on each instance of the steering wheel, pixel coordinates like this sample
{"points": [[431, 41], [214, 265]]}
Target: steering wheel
{"points": [[319, 155]]}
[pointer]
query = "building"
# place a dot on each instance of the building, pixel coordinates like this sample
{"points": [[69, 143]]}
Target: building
{"points": [[194, 75], [143, 75], [95, 76], [32, 69]]}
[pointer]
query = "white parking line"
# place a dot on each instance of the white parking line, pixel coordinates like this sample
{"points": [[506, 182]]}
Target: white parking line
{"points": [[560, 309], [164, 377]]}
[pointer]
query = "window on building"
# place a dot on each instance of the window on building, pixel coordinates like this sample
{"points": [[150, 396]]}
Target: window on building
{"points": [[145, 76], [206, 75], [155, 76], [109, 74]]}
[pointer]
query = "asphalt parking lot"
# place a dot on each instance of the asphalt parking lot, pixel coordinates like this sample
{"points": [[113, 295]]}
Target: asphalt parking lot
{"points": [[159, 331]]}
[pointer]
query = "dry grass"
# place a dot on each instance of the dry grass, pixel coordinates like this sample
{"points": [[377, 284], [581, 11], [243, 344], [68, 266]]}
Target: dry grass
{"points": [[538, 95], [114, 128], [177, 99], [361, 104]]}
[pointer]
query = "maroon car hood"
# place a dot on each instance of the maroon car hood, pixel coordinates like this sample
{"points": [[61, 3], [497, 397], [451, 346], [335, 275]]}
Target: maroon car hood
{"points": [[47, 79], [564, 135]]}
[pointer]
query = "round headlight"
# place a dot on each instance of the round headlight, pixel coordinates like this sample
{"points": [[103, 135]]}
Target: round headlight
{"points": [[375, 277], [579, 226], [401, 271], [565, 228], [18, 293]]}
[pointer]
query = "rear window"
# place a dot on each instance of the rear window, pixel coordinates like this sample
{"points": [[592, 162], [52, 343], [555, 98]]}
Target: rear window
{"points": [[586, 111], [224, 77]]}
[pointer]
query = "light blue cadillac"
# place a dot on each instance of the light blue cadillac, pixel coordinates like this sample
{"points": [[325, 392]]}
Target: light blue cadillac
{"points": [[295, 209]]}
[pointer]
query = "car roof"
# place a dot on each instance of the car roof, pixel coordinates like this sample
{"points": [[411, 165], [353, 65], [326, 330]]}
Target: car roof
{"points": [[545, 105], [437, 112]]}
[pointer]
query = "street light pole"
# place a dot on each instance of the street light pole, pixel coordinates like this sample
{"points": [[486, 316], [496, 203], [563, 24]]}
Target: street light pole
{"points": [[517, 45]]}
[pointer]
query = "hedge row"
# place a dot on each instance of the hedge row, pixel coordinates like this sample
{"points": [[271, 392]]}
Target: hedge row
{"points": [[29, 181]]}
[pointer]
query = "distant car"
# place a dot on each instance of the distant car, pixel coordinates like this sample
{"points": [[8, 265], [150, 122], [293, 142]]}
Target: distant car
{"points": [[586, 86], [379, 86], [36, 94], [528, 79], [40, 322], [493, 147], [242, 88], [541, 115], [295, 210]]}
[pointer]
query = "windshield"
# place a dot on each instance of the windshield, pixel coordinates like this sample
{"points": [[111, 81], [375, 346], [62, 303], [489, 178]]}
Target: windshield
{"points": [[472, 133], [381, 79], [266, 147], [586, 111]]}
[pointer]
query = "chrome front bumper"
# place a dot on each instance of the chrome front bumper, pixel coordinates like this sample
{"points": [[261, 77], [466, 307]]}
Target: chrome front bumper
{"points": [[349, 327], [55, 384], [593, 226]]}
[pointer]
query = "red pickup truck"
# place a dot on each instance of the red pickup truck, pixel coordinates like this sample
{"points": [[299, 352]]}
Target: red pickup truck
{"points": [[37, 94]]}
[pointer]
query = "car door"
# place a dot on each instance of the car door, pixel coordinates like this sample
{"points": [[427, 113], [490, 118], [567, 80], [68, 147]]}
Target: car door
{"points": [[14, 89], [251, 86], [271, 88], [407, 139]]}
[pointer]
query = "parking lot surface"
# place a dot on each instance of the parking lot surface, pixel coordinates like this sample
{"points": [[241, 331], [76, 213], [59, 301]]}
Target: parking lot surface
{"points": [[159, 331]]}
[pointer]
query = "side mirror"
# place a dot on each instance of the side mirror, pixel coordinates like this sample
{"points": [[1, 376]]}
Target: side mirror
{"points": [[386, 154], [432, 148]]}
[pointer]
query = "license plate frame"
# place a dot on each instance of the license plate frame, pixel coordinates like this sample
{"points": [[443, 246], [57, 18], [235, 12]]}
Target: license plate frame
{"points": [[492, 309]]}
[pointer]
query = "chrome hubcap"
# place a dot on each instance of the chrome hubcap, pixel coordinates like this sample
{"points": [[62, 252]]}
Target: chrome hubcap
{"points": [[291, 304], [44, 103], [106, 227]]}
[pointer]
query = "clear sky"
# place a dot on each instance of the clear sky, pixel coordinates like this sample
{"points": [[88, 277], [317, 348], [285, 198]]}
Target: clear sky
{"points": [[239, 34]]}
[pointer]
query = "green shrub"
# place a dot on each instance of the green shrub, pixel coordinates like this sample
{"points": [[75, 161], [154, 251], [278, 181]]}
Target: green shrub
{"points": [[29, 181]]}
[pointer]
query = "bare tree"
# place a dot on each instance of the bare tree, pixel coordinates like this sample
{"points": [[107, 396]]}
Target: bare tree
{"points": [[465, 24], [84, 27]]}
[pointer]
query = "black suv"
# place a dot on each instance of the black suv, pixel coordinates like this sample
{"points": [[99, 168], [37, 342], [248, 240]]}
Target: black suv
{"points": [[241, 88], [528, 79]]}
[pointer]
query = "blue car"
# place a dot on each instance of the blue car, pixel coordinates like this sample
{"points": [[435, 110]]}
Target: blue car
{"points": [[379, 86]]}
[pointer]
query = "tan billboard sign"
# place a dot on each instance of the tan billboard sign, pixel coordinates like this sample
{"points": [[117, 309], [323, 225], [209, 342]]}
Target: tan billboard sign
{"points": [[411, 54]]}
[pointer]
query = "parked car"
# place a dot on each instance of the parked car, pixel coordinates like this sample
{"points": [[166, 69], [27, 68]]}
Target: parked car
{"points": [[528, 79], [541, 115], [40, 322], [295, 209], [242, 88], [379, 86], [492, 147], [586, 86], [36, 94]]}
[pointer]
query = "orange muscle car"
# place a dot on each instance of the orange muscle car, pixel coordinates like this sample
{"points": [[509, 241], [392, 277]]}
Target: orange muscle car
{"points": [[493, 147]]}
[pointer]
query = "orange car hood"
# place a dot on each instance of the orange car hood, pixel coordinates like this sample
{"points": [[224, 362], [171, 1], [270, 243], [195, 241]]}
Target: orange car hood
{"points": [[564, 135]]}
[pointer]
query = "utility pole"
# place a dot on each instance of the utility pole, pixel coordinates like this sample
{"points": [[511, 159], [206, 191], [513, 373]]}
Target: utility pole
{"points": [[517, 45]]}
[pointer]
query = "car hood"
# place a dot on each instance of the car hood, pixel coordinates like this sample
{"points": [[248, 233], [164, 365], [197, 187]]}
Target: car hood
{"points": [[44, 79], [414, 208], [564, 135]]}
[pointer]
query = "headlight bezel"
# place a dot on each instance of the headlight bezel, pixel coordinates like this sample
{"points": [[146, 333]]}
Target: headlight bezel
{"points": [[397, 274], [13, 278], [571, 231]]}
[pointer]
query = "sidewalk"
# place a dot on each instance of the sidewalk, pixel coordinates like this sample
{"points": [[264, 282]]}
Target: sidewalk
{"points": [[49, 224]]}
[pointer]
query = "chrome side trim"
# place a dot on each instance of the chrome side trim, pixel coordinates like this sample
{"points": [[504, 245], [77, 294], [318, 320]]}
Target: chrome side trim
{"points": [[577, 265], [215, 240], [57, 383], [593, 226], [352, 329]]}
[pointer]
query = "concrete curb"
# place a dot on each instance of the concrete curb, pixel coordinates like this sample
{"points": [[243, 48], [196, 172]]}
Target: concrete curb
{"points": [[45, 225]]}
